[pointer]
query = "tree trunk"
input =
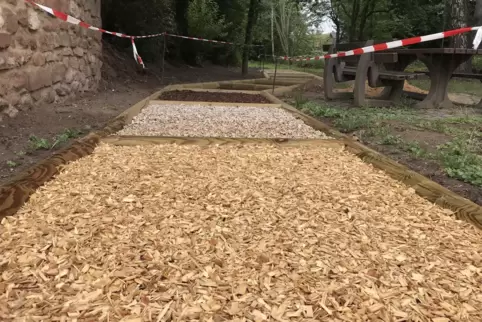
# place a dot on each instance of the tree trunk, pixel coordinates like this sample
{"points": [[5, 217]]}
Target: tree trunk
{"points": [[478, 12], [353, 20], [459, 18], [272, 30], [252, 13]]}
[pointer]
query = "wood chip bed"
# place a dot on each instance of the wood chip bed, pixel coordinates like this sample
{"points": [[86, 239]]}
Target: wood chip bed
{"points": [[196, 120], [243, 233]]}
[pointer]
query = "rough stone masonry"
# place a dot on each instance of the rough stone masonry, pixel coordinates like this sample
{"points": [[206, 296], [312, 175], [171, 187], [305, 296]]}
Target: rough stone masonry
{"points": [[43, 59]]}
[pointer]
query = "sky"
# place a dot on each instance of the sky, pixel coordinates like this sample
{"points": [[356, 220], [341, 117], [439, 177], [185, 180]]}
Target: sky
{"points": [[327, 26]]}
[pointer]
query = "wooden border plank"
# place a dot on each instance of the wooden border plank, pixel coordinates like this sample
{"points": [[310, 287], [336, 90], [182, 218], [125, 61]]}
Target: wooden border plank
{"points": [[217, 90], [205, 141], [463, 208], [162, 102], [15, 192]]}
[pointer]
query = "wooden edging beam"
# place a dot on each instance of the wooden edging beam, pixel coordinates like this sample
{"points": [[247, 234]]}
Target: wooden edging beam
{"points": [[205, 141], [17, 191], [216, 90], [162, 102], [463, 208]]}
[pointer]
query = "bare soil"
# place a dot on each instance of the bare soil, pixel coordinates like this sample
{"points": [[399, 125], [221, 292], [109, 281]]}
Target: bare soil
{"points": [[193, 96], [56, 125]]}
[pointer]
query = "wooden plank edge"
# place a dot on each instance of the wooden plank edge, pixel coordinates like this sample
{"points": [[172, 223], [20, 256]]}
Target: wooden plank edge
{"points": [[205, 141], [286, 89], [216, 90], [16, 191], [463, 208], [162, 102]]}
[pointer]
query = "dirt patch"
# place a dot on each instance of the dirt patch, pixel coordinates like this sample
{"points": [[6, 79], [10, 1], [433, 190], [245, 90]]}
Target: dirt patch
{"points": [[427, 139], [431, 170], [192, 96], [373, 92], [53, 126]]}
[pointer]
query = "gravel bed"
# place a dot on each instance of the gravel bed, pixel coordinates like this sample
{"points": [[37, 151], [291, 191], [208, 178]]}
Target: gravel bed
{"points": [[250, 233], [219, 121]]}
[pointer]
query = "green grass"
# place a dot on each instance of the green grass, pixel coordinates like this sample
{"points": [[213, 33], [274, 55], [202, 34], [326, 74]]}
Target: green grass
{"points": [[65, 136], [36, 143], [315, 67], [468, 86], [460, 157], [12, 164]]}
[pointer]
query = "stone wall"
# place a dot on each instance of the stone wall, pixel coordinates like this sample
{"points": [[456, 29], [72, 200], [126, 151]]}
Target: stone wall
{"points": [[43, 59]]}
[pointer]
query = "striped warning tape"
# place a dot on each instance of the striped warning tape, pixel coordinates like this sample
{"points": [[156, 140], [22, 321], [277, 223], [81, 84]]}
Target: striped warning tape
{"points": [[396, 44], [358, 51], [67, 18], [209, 40], [200, 39]]}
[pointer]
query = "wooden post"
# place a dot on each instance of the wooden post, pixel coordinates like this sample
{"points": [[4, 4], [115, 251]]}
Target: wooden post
{"points": [[264, 55], [275, 71], [163, 58]]}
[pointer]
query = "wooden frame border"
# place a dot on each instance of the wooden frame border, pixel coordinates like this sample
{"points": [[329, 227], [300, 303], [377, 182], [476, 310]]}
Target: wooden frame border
{"points": [[214, 90], [463, 208], [206, 141], [161, 102], [16, 191]]}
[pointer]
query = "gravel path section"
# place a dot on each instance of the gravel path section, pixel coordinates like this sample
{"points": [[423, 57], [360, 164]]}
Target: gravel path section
{"points": [[253, 233], [194, 96], [218, 121]]}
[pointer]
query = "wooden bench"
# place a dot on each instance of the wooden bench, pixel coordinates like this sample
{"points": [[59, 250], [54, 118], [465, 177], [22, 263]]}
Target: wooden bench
{"points": [[380, 69]]}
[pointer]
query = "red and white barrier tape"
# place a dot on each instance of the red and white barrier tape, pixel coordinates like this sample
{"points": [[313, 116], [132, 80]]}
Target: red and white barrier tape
{"points": [[359, 51], [67, 18], [200, 39], [396, 44]]}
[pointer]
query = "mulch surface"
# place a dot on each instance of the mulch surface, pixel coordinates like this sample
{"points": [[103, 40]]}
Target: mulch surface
{"points": [[192, 96], [88, 112]]}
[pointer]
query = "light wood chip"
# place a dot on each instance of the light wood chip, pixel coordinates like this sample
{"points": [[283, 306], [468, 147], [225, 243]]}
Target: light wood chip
{"points": [[239, 233]]}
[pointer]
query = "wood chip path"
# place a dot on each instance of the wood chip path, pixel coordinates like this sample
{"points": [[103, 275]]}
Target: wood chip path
{"points": [[253, 233]]}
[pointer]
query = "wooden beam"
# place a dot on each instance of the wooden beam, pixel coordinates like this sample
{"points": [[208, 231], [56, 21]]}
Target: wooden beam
{"points": [[216, 90], [206, 141], [161, 102], [15, 192], [463, 208]]}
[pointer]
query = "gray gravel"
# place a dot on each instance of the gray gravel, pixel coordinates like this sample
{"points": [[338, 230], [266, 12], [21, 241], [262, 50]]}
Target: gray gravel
{"points": [[218, 121]]}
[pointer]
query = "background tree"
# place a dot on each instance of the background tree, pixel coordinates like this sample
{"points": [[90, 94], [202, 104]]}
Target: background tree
{"points": [[254, 6], [205, 21]]}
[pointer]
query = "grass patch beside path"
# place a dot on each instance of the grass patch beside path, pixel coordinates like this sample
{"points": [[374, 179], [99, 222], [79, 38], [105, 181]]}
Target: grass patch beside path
{"points": [[455, 143], [461, 86], [315, 68]]}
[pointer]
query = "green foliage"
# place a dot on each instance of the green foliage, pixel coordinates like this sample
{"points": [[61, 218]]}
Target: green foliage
{"points": [[12, 164], [460, 157], [415, 149], [204, 20], [36, 143], [65, 136], [384, 19], [300, 100], [462, 161]]}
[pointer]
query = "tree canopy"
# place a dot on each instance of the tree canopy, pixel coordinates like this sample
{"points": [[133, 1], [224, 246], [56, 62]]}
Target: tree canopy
{"points": [[284, 27]]}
